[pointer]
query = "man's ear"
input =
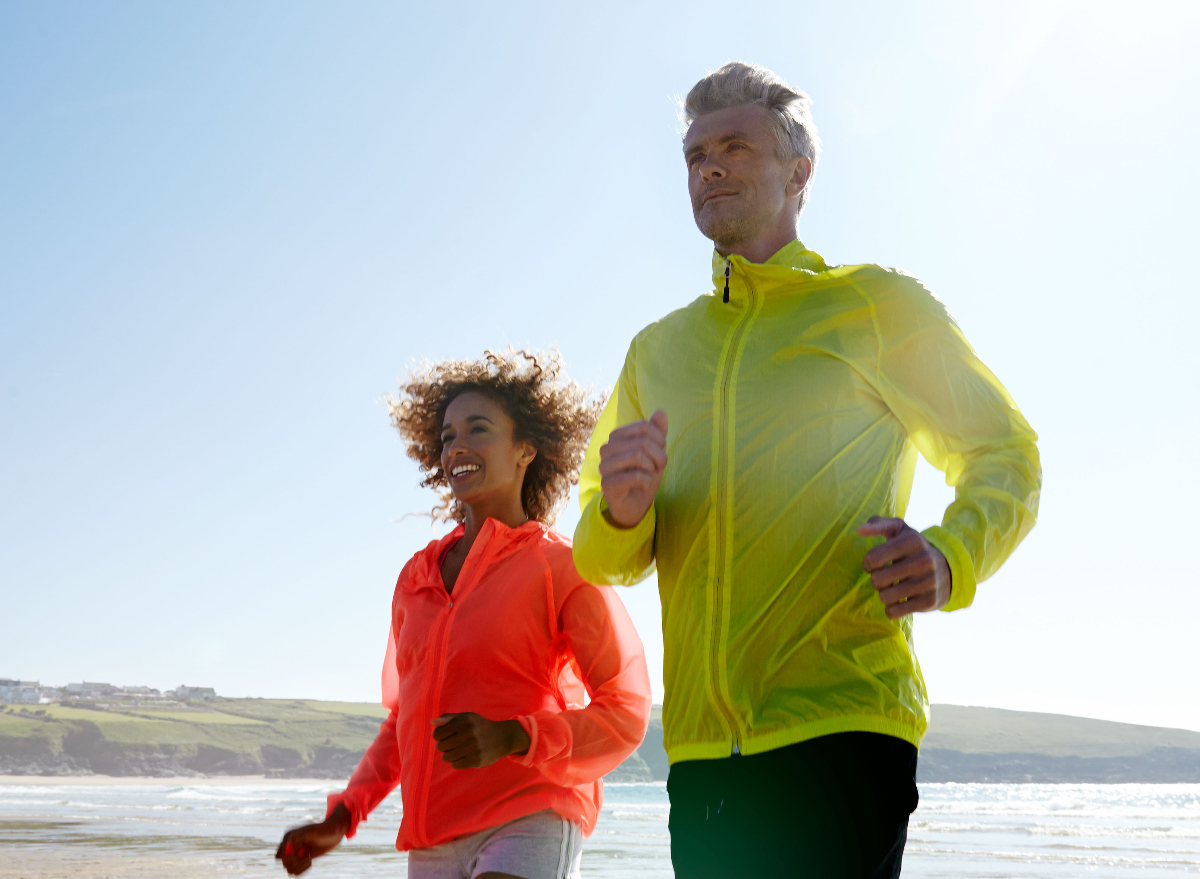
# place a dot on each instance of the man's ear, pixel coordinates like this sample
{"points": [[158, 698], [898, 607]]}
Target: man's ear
{"points": [[801, 171]]}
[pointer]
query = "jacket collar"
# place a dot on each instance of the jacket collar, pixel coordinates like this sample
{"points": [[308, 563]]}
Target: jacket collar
{"points": [[792, 263], [495, 541]]}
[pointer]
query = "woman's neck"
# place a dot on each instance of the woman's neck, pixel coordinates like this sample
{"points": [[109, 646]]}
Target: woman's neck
{"points": [[509, 513]]}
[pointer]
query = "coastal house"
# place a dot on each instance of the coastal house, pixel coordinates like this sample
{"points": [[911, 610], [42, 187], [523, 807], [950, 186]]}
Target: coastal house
{"points": [[90, 690], [185, 692], [13, 692]]}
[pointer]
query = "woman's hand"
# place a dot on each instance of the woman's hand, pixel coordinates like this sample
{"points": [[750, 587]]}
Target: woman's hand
{"points": [[301, 845], [469, 741]]}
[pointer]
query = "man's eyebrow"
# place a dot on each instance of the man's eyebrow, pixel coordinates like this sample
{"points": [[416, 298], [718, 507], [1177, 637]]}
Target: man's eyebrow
{"points": [[724, 138]]}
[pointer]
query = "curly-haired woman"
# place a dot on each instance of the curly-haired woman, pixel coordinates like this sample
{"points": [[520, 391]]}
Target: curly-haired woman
{"points": [[495, 640]]}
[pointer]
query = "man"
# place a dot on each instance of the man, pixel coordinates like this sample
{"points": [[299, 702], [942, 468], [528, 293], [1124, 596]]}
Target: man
{"points": [[759, 449]]}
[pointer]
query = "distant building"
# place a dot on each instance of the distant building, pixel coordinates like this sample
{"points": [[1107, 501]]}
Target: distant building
{"points": [[136, 691], [90, 690], [185, 692], [20, 692]]}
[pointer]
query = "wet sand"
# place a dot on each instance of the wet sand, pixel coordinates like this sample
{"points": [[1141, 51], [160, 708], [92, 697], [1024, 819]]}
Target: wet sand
{"points": [[38, 849], [177, 780], [19, 862]]}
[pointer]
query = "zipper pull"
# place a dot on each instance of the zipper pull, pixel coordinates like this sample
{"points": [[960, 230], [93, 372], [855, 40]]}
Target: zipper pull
{"points": [[728, 266]]}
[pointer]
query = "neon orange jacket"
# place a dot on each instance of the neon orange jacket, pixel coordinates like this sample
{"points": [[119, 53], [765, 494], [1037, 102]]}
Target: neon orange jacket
{"points": [[522, 637]]}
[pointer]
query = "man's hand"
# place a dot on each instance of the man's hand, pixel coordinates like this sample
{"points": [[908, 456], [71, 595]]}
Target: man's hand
{"points": [[910, 573], [631, 468], [301, 845], [469, 741]]}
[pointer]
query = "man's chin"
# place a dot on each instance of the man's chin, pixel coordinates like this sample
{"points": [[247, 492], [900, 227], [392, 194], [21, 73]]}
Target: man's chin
{"points": [[720, 230]]}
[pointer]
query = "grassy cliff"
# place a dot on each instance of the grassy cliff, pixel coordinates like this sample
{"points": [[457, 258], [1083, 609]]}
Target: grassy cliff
{"points": [[991, 744], [305, 738], [221, 737]]}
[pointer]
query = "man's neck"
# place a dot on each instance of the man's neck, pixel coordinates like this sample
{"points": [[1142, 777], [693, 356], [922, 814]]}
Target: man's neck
{"points": [[759, 249]]}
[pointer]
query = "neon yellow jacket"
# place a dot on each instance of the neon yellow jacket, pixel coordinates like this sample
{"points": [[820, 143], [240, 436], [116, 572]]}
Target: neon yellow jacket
{"points": [[796, 411]]}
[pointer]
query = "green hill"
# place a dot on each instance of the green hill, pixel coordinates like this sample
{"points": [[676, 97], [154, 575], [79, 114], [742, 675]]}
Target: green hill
{"points": [[996, 730], [306, 738], [221, 737], [991, 744]]}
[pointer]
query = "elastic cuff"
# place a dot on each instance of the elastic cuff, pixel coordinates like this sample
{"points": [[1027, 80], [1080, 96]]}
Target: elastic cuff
{"points": [[962, 568], [335, 800], [640, 532], [529, 724]]}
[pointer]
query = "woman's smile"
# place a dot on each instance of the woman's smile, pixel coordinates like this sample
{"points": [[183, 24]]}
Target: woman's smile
{"points": [[462, 470]]}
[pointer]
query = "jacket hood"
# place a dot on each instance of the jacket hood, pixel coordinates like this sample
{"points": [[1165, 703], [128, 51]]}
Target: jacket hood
{"points": [[495, 538]]}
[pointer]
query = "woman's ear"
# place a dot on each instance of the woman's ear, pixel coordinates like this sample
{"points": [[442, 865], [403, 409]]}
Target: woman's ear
{"points": [[528, 453]]}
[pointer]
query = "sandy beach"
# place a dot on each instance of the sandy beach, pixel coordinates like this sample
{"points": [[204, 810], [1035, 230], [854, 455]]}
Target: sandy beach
{"points": [[38, 843], [23, 863], [175, 781]]}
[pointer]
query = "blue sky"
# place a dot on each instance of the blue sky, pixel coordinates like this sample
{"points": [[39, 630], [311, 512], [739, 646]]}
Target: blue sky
{"points": [[226, 229]]}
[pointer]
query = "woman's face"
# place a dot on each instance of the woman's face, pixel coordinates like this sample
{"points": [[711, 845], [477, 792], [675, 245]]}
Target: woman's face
{"points": [[483, 462]]}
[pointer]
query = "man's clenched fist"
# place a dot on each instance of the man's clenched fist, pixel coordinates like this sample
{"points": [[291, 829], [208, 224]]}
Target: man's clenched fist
{"points": [[910, 573], [631, 468]]}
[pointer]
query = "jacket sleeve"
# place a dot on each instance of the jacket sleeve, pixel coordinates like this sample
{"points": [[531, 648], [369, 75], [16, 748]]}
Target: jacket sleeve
{"points": [[378, 772], [963, 421], [604, 552], [580, 745]]}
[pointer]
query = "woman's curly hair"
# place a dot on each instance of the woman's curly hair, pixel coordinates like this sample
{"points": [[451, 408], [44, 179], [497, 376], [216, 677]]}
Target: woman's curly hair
{"points": [[554, 415]]}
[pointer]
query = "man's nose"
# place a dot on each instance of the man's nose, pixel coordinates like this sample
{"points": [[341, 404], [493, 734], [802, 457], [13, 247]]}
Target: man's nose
{"points": [[711, 171]]}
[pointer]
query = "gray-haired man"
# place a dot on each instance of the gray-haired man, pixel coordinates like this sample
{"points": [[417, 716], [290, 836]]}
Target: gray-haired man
{"points": [[759, 443]]}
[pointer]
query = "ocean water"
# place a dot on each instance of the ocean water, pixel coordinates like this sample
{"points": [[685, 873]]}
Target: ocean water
{"points": [[959, 830]]}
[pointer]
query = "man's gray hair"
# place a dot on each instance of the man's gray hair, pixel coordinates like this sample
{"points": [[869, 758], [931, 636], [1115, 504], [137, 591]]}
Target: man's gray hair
{"points": [[736, 84]]}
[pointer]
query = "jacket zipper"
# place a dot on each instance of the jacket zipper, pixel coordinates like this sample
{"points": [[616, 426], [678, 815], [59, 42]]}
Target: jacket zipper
{"points": [[434, 693], [731, 358], [432, 696]]}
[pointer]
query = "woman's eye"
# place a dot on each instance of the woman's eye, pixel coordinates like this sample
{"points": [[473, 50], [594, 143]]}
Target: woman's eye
{"points": [[479, 428]]}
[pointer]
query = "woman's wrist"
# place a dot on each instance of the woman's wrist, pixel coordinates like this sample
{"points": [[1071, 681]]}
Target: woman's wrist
{"points": [[339, 819], [518, 739]]}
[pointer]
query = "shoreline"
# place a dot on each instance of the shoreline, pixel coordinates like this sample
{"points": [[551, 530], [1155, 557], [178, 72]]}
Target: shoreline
{"points": [[173, 781]]}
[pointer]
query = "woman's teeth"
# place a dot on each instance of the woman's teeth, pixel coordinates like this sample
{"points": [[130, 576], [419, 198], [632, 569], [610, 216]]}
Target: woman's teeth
{"points": [[463, 468]]}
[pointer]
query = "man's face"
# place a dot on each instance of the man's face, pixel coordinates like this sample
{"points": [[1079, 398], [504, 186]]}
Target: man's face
{"points": [[739, 186]]}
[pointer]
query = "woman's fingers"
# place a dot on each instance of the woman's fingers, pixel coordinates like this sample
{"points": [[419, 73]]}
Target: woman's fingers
{"points": [[294, 851], [449, 725], [455, 741], [469, 753]]}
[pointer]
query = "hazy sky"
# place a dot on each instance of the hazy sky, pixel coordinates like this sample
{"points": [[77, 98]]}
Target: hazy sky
{"points": [[226, 229]]}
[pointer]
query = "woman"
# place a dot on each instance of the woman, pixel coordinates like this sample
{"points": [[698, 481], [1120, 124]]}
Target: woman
{"points": [[495, 640]]}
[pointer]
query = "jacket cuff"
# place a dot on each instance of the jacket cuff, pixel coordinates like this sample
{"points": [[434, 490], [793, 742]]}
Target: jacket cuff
{"points": [[640, 533], [962, 568], [530, 725], [606, 553], [356, 814], [549, 738]]}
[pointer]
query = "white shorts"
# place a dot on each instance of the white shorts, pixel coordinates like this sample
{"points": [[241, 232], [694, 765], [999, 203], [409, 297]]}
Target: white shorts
{"points": [[543, 845]]}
